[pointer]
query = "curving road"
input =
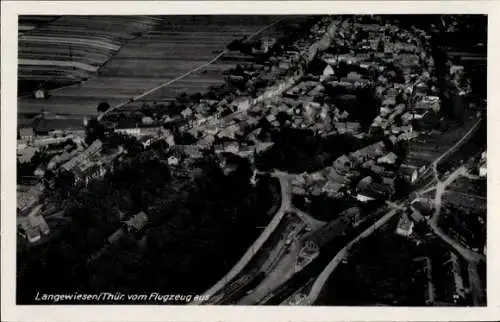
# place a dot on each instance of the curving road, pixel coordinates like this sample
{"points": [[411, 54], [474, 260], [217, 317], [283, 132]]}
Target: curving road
{"points": [[276, 276], [186, 74], [455, 147], [471, 257], [307, 219], [254, 248], [342, 254]]}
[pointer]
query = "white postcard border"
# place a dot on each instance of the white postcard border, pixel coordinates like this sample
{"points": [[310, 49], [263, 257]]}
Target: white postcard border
{"points": [[12, 312]]}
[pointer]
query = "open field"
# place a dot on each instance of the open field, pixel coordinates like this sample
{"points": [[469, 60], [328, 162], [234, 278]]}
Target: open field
{"points": [[174, 46], [68, 49], [27, 23]]}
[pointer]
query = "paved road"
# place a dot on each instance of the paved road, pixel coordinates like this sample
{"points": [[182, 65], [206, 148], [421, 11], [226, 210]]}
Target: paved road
{"points": [[281, 264], [342, 254], [256, 246], [423, 183], [426, 179], [456, 146], [285, 207], [440, 189], [186, 74], [307, 219], [276, 276], [471, 257], [281, 268], [280, 273]]}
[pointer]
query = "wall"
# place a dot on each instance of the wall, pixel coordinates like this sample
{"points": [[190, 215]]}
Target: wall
{"points": [[307, 56]]}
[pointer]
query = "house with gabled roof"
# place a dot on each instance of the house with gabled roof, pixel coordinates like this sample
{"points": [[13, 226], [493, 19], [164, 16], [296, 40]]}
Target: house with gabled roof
{"points": [[389, 158], [137, 222], [34, 226], [410, 173], [405, 226], [332, 188]]}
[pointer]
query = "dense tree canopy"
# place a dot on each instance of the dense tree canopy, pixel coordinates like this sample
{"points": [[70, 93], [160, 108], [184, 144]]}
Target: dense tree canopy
{"points": [[298, 150], [191, 222], [103, 107]]}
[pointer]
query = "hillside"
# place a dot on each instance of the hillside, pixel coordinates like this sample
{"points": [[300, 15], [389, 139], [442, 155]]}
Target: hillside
{"points": [[67, 49], [175, 45]]}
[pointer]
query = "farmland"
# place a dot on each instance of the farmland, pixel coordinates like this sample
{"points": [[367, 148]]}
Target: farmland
{"points": [[62, 50], [173, 46]]}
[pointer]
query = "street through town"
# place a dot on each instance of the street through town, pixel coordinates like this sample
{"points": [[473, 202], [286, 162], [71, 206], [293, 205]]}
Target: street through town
{"points": [[428, 178]]}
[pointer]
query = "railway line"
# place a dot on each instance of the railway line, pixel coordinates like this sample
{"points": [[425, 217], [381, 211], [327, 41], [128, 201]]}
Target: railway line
{"points": [[300, 279]]}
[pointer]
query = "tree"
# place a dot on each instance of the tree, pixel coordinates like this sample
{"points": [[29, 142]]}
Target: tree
{"points": [[64, 182], [183, 98], [103, 107], [401, 187], [381, 46], [283, 117], [196, 97], [368, 106], [94, 131], [342, 69], [235, 45], [398, 120], [401, 149]]}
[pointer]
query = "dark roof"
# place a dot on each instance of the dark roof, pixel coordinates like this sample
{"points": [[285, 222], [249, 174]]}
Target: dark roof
{"points": [[389, 174], [88, 171], [26, 131], [407, 169], [416, 162], [145, 138], [127, 124], [382, 187], [417, 216], [371, 192]]}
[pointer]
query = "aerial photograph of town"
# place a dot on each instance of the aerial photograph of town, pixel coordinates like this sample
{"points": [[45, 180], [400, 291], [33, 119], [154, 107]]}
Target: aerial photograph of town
{"points": [[322, 160]]}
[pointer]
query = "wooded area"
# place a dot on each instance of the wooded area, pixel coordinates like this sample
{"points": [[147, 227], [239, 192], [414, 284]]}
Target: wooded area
{"points": [[199, 224]]}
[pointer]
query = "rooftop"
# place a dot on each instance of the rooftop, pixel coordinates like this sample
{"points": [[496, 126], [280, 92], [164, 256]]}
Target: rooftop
{"points": [[138, 221]]}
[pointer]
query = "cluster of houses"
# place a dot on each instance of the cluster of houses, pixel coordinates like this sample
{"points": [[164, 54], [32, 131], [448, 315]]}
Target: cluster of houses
{"points": [[455, 290], [366, 174], [44, 134], [303, 103], [218, 122], [33, 226], [87, 163], [91, 163], [230, 125], [345, 176], [416, 213], [420, 155], [28, 197], [258, 81], [229, 122]]}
